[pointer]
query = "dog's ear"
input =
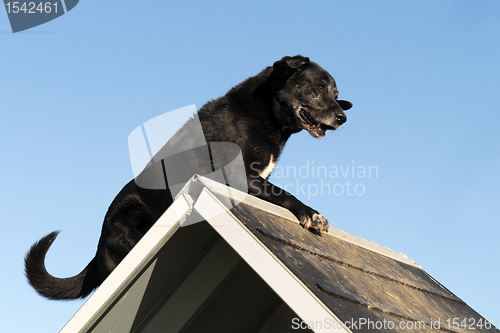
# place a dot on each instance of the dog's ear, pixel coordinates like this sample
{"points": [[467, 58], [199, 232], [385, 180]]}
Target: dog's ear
{"points": [[290, 63], [345, 105]]}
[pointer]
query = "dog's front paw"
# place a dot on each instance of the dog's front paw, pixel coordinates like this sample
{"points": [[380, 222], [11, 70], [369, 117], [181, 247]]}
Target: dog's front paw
{"points": [[315, 222]]}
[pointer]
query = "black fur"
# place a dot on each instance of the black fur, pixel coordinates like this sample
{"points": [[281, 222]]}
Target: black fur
{"points": [[258, 115]]}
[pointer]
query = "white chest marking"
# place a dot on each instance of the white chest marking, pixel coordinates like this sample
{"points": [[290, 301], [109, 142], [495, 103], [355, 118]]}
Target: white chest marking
{"points": [[267, 171]]}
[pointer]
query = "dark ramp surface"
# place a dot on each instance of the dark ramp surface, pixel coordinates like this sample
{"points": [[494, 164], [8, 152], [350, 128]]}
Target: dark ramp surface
{"points": [[367, 290]]}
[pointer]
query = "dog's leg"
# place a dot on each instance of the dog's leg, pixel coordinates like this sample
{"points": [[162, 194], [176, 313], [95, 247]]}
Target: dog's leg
{"points": [[308, 217], [129, 217]]}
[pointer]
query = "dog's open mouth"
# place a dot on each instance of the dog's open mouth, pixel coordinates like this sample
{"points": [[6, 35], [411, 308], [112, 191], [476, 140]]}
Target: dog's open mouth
{"points": [[314, 128]]}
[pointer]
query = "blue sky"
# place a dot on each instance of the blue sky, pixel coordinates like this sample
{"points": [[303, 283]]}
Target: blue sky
{"points": [[423, 77]]}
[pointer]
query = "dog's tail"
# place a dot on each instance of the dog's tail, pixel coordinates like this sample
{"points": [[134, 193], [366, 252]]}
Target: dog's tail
{"points": [[51, 287]]}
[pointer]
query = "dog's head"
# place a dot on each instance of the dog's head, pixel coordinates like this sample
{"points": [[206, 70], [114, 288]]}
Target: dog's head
{"points": [[310, 93]]}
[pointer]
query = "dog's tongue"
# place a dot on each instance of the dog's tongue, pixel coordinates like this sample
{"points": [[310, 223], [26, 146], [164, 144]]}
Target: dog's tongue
{"points": [[321, 130], [317, 131]]}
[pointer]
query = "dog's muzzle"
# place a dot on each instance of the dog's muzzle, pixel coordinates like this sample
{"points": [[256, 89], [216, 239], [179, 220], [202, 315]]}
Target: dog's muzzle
{"points": [[317, 128]]}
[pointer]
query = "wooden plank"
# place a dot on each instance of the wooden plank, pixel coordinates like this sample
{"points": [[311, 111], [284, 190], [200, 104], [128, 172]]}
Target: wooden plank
{"points": [[332, 248], [375, 288]]}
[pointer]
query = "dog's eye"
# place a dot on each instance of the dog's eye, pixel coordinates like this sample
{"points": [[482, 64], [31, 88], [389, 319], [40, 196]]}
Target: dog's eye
{"points": [[321, 86]]}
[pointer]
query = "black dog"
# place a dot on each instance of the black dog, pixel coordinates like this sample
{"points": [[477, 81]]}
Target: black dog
{"points": [[258, 115]]}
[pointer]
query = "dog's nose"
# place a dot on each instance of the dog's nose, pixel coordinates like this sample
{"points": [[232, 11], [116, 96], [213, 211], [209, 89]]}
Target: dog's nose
{"points": [[341, 117]]}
